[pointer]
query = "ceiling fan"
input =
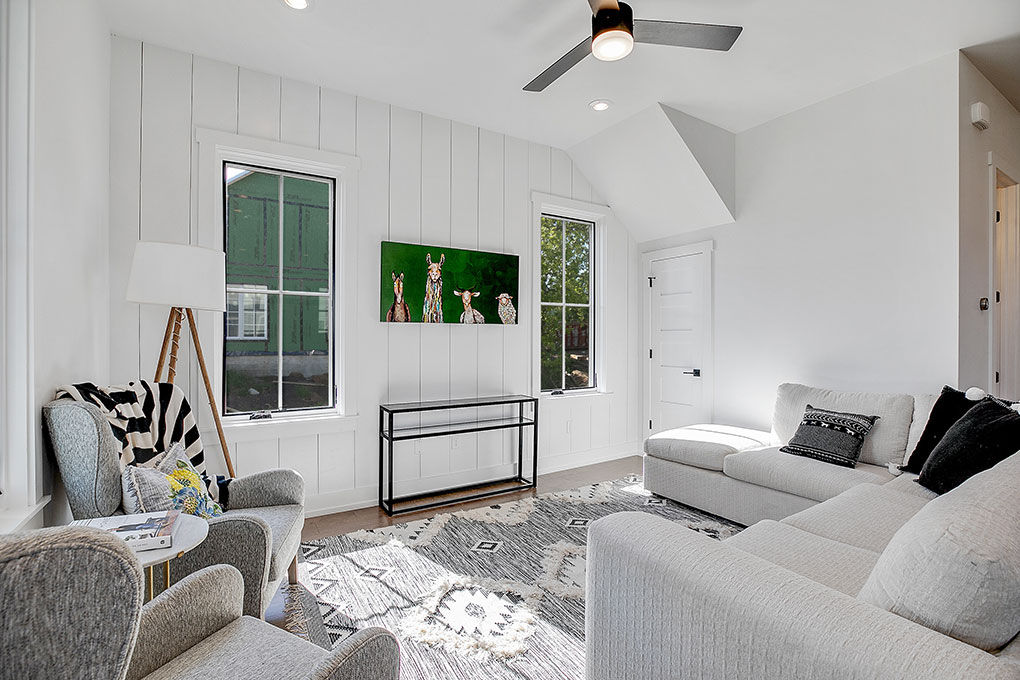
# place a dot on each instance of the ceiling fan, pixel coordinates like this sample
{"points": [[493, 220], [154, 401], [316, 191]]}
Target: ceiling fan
{"points": [[614, 30]]}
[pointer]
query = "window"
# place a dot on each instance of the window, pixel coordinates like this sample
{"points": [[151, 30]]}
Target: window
{"points": [[246, 316], [278, 339], [568, 310]]}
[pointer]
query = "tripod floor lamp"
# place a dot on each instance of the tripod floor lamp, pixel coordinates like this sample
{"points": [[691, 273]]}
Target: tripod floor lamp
{"points": [[185, 278]]}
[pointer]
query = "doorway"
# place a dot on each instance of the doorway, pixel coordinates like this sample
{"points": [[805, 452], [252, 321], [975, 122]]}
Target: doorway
{"points": [[678, 334], [1006, 275]]}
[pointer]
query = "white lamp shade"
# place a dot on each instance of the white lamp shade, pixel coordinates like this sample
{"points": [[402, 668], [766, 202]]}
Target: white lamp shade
{"points": [[176, 275]]}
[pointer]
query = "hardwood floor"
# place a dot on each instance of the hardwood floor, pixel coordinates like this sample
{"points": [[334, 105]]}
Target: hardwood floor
{"points": [[373, 518]]}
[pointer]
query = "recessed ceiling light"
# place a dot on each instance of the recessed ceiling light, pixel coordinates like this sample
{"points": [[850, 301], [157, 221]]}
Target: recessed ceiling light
{"points": [[599, 104], [297, 4]]}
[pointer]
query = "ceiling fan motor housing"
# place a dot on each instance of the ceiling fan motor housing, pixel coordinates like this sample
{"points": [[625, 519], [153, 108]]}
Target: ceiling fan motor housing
{"points": [[607, 19]]}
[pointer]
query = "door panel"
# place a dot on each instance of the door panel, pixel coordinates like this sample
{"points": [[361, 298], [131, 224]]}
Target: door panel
{"points": [[678, 334]]}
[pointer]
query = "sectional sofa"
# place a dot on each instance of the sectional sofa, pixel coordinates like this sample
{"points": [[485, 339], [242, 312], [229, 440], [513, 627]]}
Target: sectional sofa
{"points": [[740, 474], [866, 576]]}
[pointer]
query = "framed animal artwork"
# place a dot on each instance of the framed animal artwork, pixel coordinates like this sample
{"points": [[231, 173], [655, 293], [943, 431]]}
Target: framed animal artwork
{"points": [[436, 284]]}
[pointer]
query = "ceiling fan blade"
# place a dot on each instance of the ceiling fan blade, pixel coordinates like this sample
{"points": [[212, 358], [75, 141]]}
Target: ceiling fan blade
{"points": [[562, 65], [596, 5], [683, 34]]}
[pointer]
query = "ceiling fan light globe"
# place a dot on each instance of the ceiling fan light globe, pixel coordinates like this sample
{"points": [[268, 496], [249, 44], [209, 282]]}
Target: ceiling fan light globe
{"points": [[612, 45], [296, 4]]}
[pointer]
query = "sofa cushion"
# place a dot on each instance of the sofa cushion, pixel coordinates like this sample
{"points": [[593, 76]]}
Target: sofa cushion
{"points": [[907, 483], [923, 404], [955, 566], [837, 565], [800, 476], [866, 516], [703, 446], [887, 441]]}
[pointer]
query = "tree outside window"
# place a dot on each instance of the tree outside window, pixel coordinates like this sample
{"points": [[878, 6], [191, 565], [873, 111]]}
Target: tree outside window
{"points": [[567, 314]]}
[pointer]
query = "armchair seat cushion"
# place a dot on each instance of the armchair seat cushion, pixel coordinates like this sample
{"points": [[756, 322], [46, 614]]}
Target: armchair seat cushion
{"points": [[244, 648], [703, 446], [800, 476], [285, 522]]}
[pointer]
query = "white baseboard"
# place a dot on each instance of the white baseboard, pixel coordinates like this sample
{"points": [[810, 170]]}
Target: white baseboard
{"points": [[368, 496]]}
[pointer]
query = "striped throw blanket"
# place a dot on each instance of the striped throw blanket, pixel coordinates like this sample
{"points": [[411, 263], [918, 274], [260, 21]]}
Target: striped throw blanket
{"points": [[147, 419]]}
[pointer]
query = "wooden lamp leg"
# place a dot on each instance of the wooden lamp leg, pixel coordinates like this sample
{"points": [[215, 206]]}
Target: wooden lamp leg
{"points": [[166, 342], [175, 342], [209, 391]]}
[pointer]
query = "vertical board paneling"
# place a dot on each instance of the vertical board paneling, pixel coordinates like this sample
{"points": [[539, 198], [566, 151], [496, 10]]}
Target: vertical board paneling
{"points": [[516, 220], [580, 189], [125, 158], [373, 149], [422, 179], [491, 445], [338, 113], [336, 462], [434, 355], [464, 234], [214, 106], [562, 174], [165, 173], [302, 454], [256, 456], [258, 104], [299, 113]]}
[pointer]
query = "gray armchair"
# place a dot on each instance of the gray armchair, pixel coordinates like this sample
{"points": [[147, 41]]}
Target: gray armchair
{"points": [[73, 609], [259, 535]]}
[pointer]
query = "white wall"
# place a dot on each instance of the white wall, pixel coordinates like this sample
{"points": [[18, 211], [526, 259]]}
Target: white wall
{"points": [[70, 205], [1002, 139], [422, 179], [841, 269]]}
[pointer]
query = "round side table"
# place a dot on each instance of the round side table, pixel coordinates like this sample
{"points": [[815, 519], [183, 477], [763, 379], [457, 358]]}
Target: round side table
{"points": [[189, 533]]}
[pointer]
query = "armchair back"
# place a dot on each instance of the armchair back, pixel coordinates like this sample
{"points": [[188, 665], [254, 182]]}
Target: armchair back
{"points": [[87, 455]]}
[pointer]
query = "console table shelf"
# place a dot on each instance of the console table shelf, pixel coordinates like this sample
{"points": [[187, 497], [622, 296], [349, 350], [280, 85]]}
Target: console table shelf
{"points": [[388, 434]]}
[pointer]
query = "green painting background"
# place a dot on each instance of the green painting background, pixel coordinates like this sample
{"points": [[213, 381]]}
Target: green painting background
{"points": [[488, 273]]}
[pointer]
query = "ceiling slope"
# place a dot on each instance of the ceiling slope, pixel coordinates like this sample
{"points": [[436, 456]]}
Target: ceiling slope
{"points": [[663, 172]]}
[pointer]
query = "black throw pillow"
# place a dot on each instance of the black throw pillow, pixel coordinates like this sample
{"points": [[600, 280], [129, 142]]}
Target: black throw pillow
{"points": [[948, 408], [986, 435], [830, 436]]}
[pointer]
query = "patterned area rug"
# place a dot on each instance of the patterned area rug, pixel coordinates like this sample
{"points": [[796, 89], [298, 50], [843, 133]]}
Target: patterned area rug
{"points": [[495, 592]]}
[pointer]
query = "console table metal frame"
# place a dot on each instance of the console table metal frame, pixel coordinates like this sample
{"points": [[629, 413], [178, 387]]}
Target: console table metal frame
{"points": [[388, 435]]}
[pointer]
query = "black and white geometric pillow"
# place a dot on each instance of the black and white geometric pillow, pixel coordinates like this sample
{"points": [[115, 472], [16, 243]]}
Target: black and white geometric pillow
{"points": [[830, 436]]}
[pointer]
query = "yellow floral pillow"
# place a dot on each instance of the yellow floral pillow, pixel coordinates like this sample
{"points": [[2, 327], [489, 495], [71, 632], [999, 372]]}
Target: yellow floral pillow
{"points": [[173, 484]]}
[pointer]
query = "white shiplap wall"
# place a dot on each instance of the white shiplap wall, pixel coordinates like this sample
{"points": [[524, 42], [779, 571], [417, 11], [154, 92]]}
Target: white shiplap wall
{"points": [[422, 179]]}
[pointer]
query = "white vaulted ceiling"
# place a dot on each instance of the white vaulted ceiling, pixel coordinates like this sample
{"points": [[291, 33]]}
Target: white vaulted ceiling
{"points": [[468, 59]]}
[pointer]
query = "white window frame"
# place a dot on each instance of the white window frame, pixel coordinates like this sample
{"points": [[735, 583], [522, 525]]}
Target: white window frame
{"points": [[599, 216], [216, 148]]}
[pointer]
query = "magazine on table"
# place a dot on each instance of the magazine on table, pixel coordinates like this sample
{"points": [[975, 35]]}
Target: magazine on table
{"points": [[145, 531]]}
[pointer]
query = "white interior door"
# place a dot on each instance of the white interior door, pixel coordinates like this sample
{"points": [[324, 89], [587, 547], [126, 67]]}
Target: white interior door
{"points": [[679, 333]]}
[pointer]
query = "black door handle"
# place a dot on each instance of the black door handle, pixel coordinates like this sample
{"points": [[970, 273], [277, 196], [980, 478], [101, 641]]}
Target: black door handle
{"points": [[696, 372]]}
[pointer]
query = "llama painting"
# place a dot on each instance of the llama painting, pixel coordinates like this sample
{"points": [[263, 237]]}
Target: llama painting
{"points": [[470, 314], [507, 313], [398, 311], [411, 274], [432, 312]]}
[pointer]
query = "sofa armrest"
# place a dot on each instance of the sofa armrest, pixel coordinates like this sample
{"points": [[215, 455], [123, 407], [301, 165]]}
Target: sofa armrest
{"points": [[664, 601], [263, 489], [178, 619], [242, 541], [369, 654]]}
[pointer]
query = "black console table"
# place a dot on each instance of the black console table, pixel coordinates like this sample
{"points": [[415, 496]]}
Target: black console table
{"points": [[389, 434]]}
